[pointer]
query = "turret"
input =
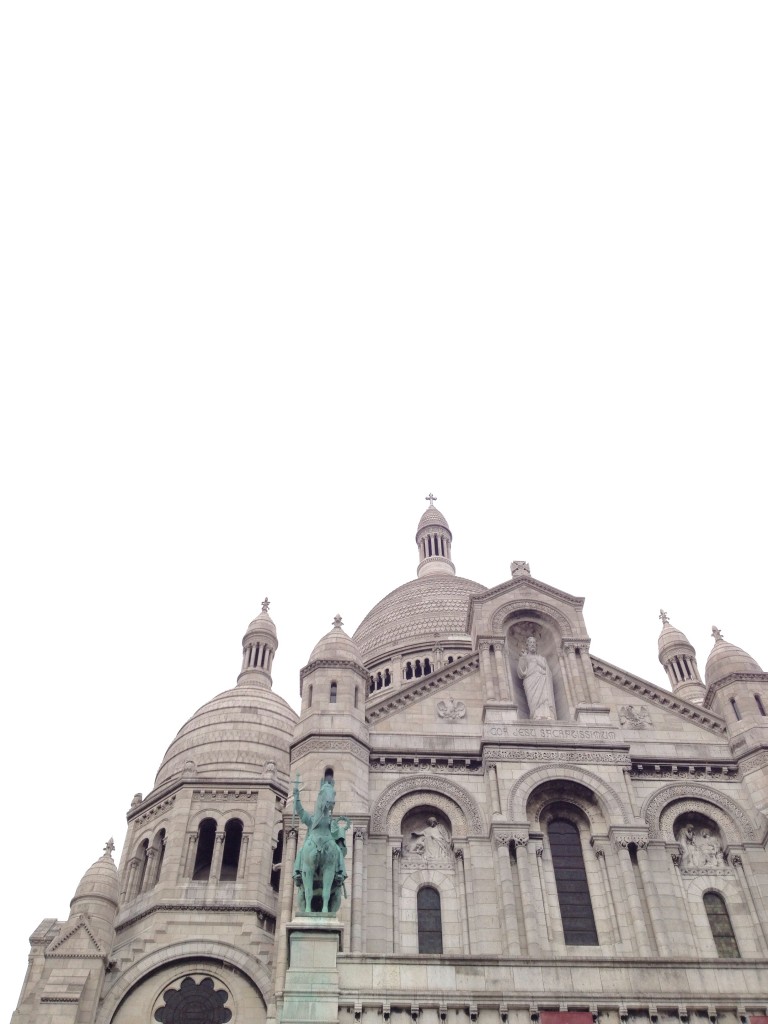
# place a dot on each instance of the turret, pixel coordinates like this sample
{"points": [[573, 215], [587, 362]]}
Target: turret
{"points": [[334, 684], [433, 538], [678, 656], [96, 898], [259, 646], [737, 688]]}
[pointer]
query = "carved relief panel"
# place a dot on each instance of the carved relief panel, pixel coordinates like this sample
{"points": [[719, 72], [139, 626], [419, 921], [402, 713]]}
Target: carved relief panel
{"points": [[426, 841]]}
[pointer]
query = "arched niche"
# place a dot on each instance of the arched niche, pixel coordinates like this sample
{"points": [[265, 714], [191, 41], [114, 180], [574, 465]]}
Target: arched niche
{"points": [[547, 630], [662, 810], [611, 807], [428, 790]]}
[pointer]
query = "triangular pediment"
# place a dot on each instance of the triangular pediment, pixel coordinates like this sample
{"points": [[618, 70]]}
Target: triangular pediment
{"points": [[418, 690], [639, 692], [75, 939], [487, 610]]}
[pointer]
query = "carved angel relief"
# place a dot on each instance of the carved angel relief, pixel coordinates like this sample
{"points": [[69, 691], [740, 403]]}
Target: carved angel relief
{"points": [[426, 843], [701, 851]]}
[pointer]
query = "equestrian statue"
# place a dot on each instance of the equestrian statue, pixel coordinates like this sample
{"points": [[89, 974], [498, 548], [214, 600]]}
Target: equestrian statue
{"points": [[319, 870]]}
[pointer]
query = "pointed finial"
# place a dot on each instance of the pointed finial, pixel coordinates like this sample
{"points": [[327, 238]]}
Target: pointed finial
{"points": [[109, 847], [265, 605], [664, 617], [337, 623], [716, 633], [431, 498]]}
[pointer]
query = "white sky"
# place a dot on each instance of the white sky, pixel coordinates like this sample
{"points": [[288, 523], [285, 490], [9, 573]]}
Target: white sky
{"points": [[272, 272]]}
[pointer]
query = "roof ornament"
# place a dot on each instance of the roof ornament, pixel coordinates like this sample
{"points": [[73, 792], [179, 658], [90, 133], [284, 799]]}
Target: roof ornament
{"points": [[265, 605], [431, 498], [716, 633], [337, 623], [520, 568], [109, 847], [664, 617]]}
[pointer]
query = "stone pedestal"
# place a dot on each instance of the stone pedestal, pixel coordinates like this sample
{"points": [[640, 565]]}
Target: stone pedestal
{"points": [[311, 991]]}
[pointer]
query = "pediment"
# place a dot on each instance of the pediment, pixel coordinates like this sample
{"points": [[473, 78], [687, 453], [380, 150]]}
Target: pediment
{"points": [[488, 610], [637, 692], [418, 690], [75, 939]]}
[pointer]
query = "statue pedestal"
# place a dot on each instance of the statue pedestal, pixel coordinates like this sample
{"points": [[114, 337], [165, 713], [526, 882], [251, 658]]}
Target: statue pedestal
{"points": [[311, 992]]}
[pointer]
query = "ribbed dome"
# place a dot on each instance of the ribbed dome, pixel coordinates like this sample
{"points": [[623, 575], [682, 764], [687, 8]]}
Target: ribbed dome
{"points": [[99, 881], [416, 613], [432, 517], [233, 736], [336, 646], [724, 659], [263, 623], [671, 637]]}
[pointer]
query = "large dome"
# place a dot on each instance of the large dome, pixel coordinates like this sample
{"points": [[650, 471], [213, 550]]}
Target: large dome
{"points": [[416, 613], [234, 736]]}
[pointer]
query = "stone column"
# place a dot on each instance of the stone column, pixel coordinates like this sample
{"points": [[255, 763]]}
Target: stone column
{"points": [[396, 888], [149, 874], [531, 906], [502, 670], [218, 854], [549, 892], [462, 880], [188, 863], [507, 895], [130, 877], [358, 894], [241, 864], [493, 782], [652, 897], [744, 872], [636, 919], [486, 670], [286, 907], [611, 921]]}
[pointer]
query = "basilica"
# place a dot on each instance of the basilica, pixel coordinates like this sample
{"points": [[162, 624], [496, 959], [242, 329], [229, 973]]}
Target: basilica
{"points": [[518, 831]]}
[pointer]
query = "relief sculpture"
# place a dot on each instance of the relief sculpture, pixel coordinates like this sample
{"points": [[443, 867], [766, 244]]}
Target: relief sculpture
{"points": [[701, 851], [426, 844]]}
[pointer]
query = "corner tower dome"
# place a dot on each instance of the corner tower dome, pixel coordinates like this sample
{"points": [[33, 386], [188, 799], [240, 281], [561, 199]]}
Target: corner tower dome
{"points": [[725, 659], [239, 732], [100, 881], [336, 645]]}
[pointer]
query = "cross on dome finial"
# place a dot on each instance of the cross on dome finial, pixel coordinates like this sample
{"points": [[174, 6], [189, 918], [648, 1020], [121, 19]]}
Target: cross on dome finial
{"points": [[664, 617], [109, 847], [265, 605], [431, 498], [337, 623], [716, 633]]}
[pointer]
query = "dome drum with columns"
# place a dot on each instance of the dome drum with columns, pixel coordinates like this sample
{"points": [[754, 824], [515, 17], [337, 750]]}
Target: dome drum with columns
{"points": [[530, 831]]}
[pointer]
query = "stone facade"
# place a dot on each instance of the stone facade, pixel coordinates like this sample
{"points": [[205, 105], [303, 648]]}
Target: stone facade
{"points": [[607, 857]]}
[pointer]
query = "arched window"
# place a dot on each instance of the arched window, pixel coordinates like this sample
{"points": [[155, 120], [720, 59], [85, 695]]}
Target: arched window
{"points": [[720, 923], [158, 844], [334, 690], [760, 707], [430, 920], [427, 667], [233, 839], [418, 668], [356, 695], [387, 677], [736, 711], [206, 839], [309, 698], [141, 871], [408, 670], [277, 860], [572, 886]]}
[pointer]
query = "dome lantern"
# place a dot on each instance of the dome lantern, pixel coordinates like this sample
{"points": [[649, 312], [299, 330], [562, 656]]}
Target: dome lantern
{"points": [[678, 656], [259, 647], [433, 538]]}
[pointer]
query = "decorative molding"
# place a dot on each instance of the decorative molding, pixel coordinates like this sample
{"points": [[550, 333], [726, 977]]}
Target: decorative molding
{"points": [[701, 771], [349, 666], [331, 744], [692, 797], [654, 694], [527, 604], [419, 791], [493, 755], [754, 761], [410, 763], [623, 840], [266, 918], [614, 809], [421, 688], [151, 812]]}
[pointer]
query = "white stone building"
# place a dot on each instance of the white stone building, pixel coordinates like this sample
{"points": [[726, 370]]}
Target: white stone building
{"points": [[535, 834]]}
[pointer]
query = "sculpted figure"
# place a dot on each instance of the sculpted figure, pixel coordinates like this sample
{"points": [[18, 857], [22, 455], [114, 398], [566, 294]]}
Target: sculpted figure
{"points": [[319, 868], [537, 681], [433, 841], [711, 853]]}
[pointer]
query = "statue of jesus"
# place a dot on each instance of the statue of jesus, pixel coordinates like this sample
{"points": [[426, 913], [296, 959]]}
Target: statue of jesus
{"points": [[537, 682]]}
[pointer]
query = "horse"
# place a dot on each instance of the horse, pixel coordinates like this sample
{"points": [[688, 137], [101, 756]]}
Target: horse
{"points": [[319, 868]]}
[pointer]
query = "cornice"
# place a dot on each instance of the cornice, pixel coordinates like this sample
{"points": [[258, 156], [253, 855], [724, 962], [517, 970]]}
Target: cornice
{"points": [[662, 698], [343, 742], [706, 771], [349, 666], [518, 583], [421, 688], [160, 799], [733, 677], [407, 763], [266, 918]]}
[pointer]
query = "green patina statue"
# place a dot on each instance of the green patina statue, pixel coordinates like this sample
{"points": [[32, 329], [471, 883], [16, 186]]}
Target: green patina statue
{"points": [[319, 870]]}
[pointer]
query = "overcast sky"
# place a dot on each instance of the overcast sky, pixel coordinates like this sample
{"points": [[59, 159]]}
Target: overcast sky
{"points": [[273, 272]]}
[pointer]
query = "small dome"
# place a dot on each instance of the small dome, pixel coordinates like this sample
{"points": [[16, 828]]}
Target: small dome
{"points": [[671, 637], [432, 517], [233, 737], [725, 658], [336, 646], [262, 624], [100, 880], [417, 613]]}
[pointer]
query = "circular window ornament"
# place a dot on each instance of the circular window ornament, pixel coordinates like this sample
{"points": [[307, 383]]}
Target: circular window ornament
{"points": [[194, 1003]]}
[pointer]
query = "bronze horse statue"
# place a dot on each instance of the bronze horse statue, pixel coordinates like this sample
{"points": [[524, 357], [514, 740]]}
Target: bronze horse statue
{"points": [[319, 869]]}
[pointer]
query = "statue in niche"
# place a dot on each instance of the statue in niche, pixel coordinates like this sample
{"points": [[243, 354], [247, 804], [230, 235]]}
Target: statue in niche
{"points": [[537, 681], [431, 842], [701, 850], [319, 868]]}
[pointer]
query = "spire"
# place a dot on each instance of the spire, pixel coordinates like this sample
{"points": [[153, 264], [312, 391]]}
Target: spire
{"points": [[259, 646], [678, 656], [433, 538]]}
